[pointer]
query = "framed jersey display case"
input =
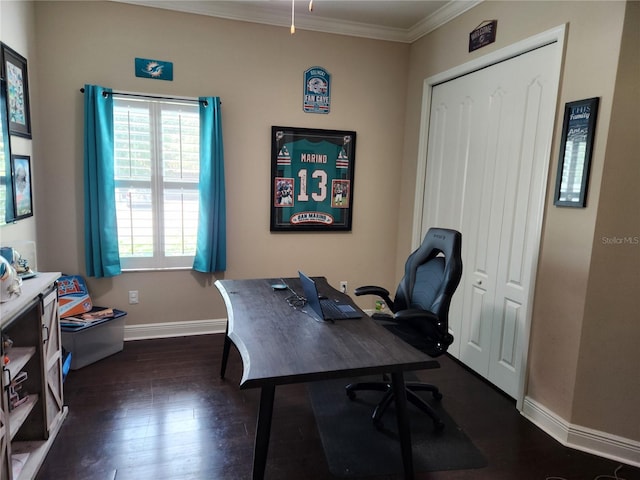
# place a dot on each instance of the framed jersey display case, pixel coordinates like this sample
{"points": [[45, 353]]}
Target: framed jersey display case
{"points": [[311, 179]]}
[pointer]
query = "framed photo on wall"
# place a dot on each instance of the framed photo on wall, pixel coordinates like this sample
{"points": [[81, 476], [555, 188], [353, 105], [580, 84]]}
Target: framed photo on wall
{"points": [[312, 173], [578, 131], [21, 177], [14, 71]]}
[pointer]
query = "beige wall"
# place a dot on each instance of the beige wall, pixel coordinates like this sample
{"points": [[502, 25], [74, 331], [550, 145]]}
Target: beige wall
{"points": [[17, 31], [257, 71], [610, 332], [564, 303]]}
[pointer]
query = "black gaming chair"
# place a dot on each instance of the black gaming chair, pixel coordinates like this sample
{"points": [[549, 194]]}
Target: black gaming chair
{"points": [[420, 312]]}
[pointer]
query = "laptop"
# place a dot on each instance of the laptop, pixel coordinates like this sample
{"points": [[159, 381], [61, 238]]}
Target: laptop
{"points": [[325, 308]]}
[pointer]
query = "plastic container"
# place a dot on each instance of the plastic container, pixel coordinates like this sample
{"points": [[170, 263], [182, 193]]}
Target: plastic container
{"points": [[95, 341]]}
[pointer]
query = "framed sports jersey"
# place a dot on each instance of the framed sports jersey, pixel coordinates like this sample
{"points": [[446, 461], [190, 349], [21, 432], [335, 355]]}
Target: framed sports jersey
{"points": [[311, 179]]}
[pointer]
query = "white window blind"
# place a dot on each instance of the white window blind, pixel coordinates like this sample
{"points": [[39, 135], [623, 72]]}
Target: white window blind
{"points": [[156, 175]]}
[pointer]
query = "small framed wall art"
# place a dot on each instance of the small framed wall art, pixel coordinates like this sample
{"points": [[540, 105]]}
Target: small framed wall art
{"points": [[21, 175], [317, 91], [154, 69], [312, 175], [14, 71], [576, 147]]}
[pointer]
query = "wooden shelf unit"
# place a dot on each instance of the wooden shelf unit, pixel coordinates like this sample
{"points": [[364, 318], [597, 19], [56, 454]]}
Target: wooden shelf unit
{"points": [[32, 323]]}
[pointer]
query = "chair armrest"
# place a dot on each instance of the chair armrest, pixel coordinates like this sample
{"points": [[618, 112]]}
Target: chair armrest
{"points": [[414, 314], [373, 290]]}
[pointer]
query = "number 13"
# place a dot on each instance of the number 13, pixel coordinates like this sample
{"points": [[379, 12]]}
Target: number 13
{"points": [[320, 196]]}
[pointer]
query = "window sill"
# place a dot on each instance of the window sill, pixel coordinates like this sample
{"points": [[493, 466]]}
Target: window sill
{"points": [[156, 269]]}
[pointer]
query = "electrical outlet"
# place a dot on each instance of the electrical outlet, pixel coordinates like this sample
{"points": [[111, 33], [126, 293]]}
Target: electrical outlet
{"points": [[343, 286], [133, 297]]}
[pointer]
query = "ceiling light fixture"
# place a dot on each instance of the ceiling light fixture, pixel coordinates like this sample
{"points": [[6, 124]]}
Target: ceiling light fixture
{"points": [[293, 14]]}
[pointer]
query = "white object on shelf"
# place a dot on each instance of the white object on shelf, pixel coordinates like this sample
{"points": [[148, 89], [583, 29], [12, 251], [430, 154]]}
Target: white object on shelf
{"points": [[10, 282], [27, 251]]}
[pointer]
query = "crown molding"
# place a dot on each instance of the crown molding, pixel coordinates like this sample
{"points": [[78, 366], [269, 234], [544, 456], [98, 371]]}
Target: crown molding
{"points": [[440, 17], [304, 21]]}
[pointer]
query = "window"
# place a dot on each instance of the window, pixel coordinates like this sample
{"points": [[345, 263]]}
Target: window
{"points": [[157, 166]]}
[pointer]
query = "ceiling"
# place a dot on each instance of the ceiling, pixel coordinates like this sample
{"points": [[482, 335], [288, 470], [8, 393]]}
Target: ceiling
{"points": [[395, 20]]}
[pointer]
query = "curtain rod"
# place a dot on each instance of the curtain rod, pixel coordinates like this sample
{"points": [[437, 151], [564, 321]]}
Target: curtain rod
{"points": [[143, 95]]}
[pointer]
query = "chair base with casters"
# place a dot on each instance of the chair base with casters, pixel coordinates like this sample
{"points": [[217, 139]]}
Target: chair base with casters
{"points": [[388, 397]]}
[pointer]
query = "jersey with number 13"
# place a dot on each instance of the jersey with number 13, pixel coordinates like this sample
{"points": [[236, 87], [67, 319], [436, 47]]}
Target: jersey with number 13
{"points": [[315, 167]]}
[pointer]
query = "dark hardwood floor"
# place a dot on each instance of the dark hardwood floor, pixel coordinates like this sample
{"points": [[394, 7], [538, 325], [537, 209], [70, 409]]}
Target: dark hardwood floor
{"points": [[158, 411]]}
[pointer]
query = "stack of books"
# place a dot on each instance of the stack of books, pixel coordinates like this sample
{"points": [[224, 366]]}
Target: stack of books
{"points": [[87, 318]]}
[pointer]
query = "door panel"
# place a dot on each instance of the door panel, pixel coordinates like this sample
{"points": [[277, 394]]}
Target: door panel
{"points": [[51, 352], [443, 206]]}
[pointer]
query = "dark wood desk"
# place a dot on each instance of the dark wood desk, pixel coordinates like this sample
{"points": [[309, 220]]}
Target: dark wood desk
{"points": [[281, 345]]}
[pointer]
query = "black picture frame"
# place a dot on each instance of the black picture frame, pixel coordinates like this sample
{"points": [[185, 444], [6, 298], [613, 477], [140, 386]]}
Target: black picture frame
{"points": [[576, 148], [14, 71], [22, 189], [312, 179]]}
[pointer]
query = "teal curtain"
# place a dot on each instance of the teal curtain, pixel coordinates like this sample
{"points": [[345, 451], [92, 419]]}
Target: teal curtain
{"points": [[101, 230], [211, 248]]}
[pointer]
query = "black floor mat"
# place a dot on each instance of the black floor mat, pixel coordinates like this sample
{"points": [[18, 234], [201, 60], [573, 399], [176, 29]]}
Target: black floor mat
{"points": [[355, 448]]}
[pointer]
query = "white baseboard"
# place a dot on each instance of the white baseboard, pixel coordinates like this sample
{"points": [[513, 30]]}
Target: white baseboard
{"points": [[174, 329], [581, 438], [179, 329]]}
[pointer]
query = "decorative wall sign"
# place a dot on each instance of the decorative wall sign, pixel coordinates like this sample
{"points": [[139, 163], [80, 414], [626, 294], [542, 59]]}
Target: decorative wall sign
{"points": [[311, 179], [483, 35], [578, 130], [21, 175], [317, 90], [14, 71], [154, 69]]}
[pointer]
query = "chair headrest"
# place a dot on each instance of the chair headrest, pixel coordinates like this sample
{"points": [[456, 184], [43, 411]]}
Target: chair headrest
{"points": [[445, 241]]}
